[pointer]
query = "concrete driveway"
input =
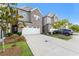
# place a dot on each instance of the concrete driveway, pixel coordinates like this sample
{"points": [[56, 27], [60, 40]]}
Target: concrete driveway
{"points": [[42, 45]]}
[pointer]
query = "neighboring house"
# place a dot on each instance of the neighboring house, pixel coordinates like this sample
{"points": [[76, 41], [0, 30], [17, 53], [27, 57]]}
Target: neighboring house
{"points": [[32, 17], [48, 21]]}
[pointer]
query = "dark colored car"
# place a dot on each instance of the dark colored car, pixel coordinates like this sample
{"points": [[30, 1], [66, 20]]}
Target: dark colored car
{"points": [[66, 32]]}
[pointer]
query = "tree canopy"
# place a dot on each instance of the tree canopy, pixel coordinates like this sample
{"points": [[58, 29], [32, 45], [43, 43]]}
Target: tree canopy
{"points": [[74, 28], [60, 23]]}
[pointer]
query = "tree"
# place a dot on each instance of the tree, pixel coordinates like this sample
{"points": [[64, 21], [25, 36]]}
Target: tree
{"points": [[60, 23], [74, 28], [3, 25], [10, 15], [2, 19], [14, 17]]}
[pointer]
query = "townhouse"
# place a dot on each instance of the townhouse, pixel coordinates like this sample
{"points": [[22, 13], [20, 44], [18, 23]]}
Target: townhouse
{"points": [[34, 18], [48, 21], [31, 17]]}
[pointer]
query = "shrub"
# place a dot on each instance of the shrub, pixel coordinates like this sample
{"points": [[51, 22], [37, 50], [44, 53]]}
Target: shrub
{"points": [[9, 34], [19, 33]]}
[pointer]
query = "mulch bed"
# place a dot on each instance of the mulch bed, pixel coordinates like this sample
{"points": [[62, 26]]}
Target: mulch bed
{"points": [[14, 37], [13, 51]]}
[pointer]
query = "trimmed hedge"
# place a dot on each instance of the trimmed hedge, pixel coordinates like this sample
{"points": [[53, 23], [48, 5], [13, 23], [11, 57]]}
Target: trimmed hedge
{"points": [[9, 34], [19, 33]]}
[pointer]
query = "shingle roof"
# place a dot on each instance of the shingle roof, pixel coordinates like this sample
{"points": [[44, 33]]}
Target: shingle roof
{"points": [[27, 8], [50, 15]]}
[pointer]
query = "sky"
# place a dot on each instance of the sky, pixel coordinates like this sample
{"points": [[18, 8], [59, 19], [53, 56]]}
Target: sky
{"points": [[68, 11]]}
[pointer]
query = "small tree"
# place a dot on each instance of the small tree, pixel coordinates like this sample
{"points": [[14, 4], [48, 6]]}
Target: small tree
{"points": [[8, 14], [60, 23], [14, 16], [3, 25]]}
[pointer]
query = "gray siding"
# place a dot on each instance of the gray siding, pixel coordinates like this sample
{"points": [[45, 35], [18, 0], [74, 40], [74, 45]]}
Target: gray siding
{"points": [[25, 14], [36, 19], [48, 21]]}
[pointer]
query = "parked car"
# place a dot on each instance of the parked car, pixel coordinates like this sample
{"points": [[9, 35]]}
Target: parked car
{"points": [[66, 32]]}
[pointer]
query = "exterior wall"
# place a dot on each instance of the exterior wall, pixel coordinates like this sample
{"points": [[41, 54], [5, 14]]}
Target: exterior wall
{"points": [[48, 21], [46, 24], [44, 21], [26, 18], [46, 28], [32, 18], [25, 14], [36, 19], [55, 19]]}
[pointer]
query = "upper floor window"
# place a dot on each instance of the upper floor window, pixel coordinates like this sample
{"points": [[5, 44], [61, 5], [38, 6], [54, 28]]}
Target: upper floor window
{"points": [[49, 20], [37, 17], [25, 15]]}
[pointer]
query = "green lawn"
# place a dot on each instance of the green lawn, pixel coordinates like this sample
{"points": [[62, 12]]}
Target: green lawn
{"points": [[62, 36], [24, 47]]}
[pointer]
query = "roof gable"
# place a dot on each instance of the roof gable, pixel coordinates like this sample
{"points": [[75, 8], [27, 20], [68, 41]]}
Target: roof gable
{"points": [[37, 10], [50, 15], [26, 8]]}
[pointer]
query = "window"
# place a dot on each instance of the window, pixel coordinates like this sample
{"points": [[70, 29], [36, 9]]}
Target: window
{"points": [[37, 17], [26, 15], [49, 20]]}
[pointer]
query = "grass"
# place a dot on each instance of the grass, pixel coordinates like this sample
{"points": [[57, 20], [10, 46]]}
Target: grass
{"points": [[62, 36], [24, 47]]}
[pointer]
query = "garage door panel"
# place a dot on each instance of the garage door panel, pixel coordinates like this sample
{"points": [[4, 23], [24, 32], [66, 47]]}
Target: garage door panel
{"points": [[31, 31]]}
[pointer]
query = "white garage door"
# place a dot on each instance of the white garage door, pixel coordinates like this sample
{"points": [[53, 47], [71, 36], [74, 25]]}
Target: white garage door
{"points": [[30, 31]]}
